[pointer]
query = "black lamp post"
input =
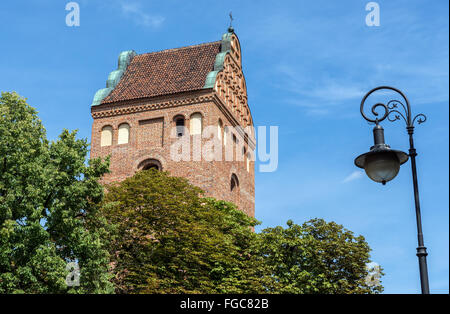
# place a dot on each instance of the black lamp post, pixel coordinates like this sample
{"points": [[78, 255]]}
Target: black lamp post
{"points": [[382, 163]]}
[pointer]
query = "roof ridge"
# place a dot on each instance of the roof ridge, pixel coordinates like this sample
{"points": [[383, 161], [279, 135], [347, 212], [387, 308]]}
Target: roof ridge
{"points": [[181, 48]]}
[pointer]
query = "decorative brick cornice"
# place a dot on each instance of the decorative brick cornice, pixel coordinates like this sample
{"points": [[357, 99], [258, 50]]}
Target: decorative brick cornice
{"points": [[128, 108], [123, 108]]}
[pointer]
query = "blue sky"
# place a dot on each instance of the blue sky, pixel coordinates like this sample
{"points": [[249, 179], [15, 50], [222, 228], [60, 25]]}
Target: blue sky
{"points": [[307, 65]]}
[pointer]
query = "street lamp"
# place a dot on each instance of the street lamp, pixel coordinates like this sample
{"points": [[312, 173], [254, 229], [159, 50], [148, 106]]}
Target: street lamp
{"points": [[382, 163]]}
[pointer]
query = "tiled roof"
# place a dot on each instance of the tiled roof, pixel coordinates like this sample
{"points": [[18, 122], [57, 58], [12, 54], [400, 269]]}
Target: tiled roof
{"points": [[166, 72]]}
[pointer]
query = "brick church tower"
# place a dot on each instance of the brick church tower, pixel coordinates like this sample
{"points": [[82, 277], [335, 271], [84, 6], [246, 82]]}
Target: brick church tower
{"points": [[154, 99]]}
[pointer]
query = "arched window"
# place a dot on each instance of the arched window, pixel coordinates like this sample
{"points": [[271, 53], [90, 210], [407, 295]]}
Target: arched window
{"points": [[150, 164], [225, 132], [234, 184], [124, 133], [179, 122], [196, 124], [106, 136], [236, 152], [248, 162], [234, 188], [219, 129]]}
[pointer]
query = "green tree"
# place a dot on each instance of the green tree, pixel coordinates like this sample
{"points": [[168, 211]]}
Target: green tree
{"points": [[170, 239], [158, 232], [316, 257], [48, 207]]}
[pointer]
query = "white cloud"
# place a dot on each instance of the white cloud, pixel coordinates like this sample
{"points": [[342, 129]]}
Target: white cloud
{"points": [[135, 12], [317, 95], [322, 89], [355, 175]]}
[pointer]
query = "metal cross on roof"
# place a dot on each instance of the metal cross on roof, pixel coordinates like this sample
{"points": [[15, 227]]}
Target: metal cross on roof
{"points": [[230, 29]]}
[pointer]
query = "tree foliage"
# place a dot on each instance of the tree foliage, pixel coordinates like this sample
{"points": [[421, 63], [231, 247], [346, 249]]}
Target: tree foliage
{"points": [[48, 211], [151, 233], [317, 257], [170, 239]]}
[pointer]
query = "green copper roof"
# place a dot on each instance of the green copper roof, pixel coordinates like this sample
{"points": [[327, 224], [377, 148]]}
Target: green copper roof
{"points": [[114, 77], [220, 58]]}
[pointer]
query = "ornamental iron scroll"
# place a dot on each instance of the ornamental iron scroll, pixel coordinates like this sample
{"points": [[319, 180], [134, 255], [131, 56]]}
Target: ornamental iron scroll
{"points": [[392, 109]]}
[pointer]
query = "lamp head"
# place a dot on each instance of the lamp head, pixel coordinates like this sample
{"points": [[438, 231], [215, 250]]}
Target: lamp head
{"points": [[381, 163]]}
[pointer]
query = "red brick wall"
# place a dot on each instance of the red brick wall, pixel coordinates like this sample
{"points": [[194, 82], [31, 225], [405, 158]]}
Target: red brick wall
{"points": [[150, 125]]}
